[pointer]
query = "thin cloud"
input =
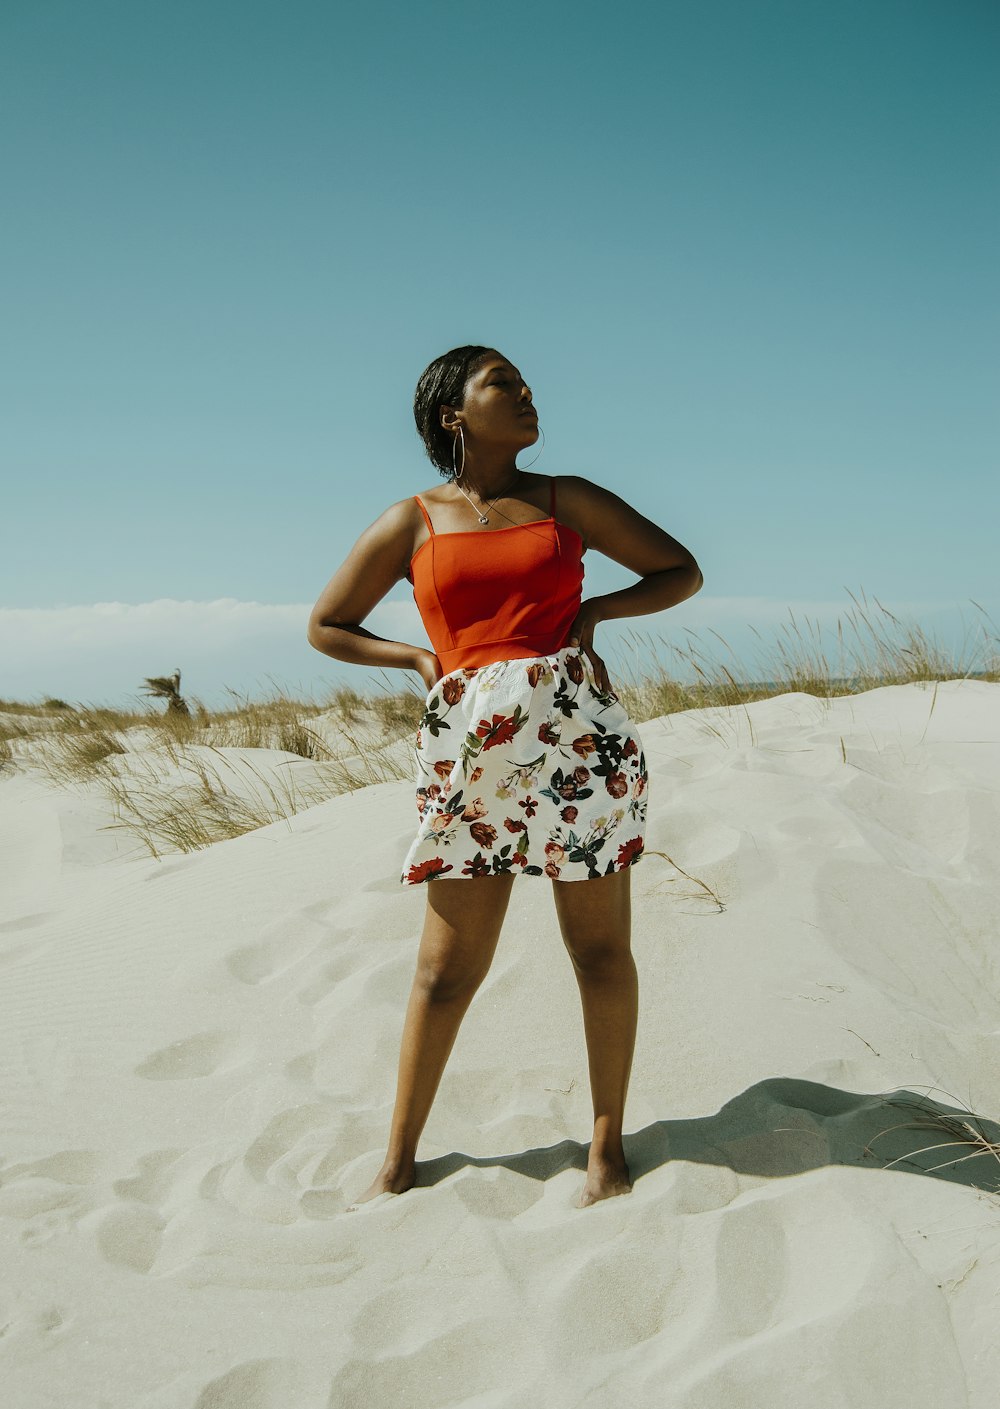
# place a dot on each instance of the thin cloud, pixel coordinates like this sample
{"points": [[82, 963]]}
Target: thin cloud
{"points": [[101, 653]]}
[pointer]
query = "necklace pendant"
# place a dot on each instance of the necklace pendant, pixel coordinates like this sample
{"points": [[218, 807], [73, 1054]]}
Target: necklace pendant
{"points": [[483, 518]]}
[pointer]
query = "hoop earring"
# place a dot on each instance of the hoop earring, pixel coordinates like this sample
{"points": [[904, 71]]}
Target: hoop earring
{"points": [[458, 473], [531, 462]]}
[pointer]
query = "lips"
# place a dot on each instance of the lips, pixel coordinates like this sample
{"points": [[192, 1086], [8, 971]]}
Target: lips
{"points": [[529, 411]]}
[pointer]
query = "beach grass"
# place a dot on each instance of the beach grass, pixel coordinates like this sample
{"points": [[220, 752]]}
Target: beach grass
{"points": [[969, 1136], [869, 647], [181, 781]]}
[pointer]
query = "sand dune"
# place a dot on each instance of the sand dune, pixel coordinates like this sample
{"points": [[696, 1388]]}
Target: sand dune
{"points": [[198, 1062]]}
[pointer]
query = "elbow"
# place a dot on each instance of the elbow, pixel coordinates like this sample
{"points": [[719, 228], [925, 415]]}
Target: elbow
{"points": [[314, 633], [694, 581]]}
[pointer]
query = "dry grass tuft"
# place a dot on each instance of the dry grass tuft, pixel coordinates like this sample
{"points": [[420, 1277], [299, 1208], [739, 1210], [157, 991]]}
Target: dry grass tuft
{"points": [[871, 647], [967, 1131], [173, 783], [204, 797], [75, 747], [182, 781]]}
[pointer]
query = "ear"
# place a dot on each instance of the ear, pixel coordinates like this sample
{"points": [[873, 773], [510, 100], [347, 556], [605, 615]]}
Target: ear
{"points": [[449, 418]]}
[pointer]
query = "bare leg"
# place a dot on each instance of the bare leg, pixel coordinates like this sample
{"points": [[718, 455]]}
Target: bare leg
{"points": [[461, 930], [595, 918]]}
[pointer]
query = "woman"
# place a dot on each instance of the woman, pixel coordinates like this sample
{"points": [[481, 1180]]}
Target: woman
{"points": [[527, 763]]}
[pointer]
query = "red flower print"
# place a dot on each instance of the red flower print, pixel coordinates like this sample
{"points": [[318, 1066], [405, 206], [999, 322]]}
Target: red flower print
{"points": [[581, 774], [500, 730], [555, 852], [475, 775], [568, 790], [584, 745], [434, 790], [444, 766], [452, 690], [483, 834], [530, 806], [552, 870], [547, 734], [631, 747], [427, 870], [421, 800], [476, 808], [418, 738], [535, 673], [630, 852], [574, 669], [638, 787], [569, 814], [478, 866], [513, 826], [519, 859], [617, 785]]}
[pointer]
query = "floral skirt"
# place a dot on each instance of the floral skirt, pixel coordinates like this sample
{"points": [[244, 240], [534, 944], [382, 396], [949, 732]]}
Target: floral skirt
{"points": [[526, 767]]}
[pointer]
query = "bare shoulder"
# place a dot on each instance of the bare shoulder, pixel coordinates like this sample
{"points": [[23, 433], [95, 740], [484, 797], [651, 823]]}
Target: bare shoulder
{"points": [[398, 521], [390, 538], [583, 504], [404, 511], [611, 525]]}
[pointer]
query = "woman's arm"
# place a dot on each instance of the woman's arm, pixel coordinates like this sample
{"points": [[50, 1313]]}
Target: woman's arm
{"points": [[668, 573], [379, 559]]}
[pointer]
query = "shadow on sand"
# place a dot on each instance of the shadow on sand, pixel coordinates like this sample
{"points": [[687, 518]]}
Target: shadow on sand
{"points": [[786, 1126]]}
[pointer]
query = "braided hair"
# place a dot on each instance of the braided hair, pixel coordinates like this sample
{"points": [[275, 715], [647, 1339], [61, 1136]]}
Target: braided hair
{"points": [[443, 384]]}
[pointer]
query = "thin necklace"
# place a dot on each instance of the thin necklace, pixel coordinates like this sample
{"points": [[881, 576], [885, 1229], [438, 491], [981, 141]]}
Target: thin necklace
{"points": [[483, 514]]}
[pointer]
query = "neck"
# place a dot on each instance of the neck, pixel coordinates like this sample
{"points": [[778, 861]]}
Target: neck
{"points": [[489, 479]]}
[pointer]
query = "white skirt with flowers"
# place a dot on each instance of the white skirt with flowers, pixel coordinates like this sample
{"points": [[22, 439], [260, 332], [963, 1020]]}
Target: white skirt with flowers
{"points": [[525, 767]]}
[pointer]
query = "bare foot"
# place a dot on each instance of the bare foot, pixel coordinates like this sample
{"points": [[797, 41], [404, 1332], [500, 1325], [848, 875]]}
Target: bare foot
{"points": [[391, 1179], [605, 1179]]}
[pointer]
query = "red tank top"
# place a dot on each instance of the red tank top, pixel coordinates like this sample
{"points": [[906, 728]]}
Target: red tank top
{"points": [[505, 594]]}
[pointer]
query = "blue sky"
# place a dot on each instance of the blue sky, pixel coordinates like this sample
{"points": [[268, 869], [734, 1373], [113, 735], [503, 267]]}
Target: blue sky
{"points": [[743, 250]]}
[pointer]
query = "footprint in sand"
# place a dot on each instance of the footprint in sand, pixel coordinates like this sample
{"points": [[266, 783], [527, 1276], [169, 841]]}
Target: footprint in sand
{"points": [[64, 1167], [281, 946], [48, 1195], [205, 1054], [266, 1384], [750, 1251], [327, 981], [155, 1179], [38, 1200], [34, 1328], [504, 1195], [128, 1235], [287, 1140], [268, 1179]]}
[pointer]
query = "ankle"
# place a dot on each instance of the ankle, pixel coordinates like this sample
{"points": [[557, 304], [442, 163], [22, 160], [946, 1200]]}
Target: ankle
{"points": [[607, 1153], [398, 1164]]}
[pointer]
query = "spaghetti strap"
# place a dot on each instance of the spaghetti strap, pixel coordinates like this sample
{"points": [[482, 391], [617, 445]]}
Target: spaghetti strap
{"points": [[552, 497], [427, 517]]}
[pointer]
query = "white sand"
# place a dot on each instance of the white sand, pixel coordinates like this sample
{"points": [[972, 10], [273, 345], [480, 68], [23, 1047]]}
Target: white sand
{"points": [[198, 1063]]}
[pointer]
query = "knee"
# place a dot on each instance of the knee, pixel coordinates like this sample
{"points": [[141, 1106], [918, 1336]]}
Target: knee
{"points": [[600, 958], [441, 985]]}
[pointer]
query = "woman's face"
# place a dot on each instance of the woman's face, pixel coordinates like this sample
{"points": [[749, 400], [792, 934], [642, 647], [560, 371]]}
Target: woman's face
{"points": [[497, 408]]}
